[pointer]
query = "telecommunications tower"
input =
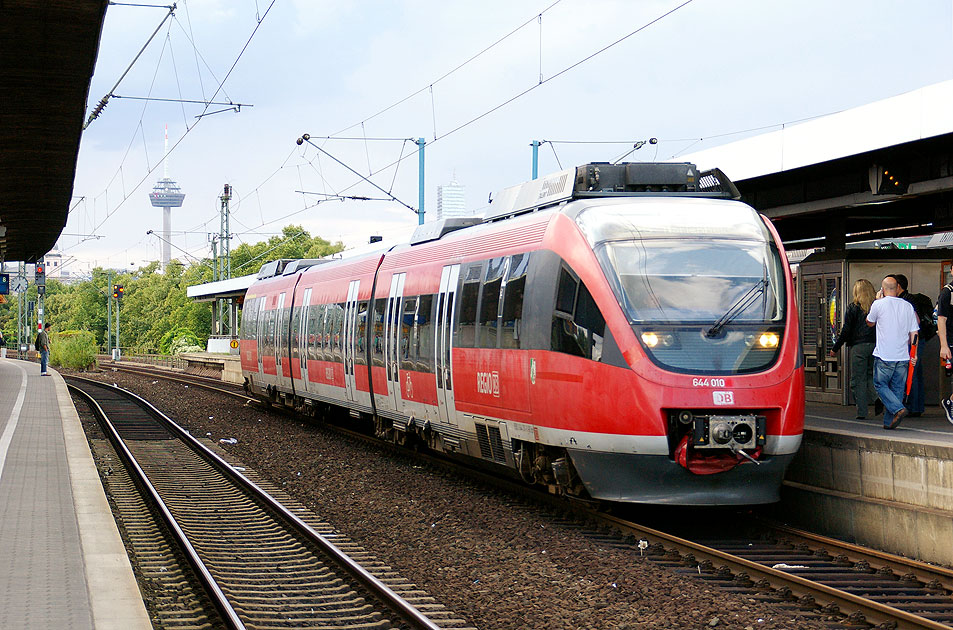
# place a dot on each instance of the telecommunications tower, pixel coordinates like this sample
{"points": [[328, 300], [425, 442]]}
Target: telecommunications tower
{"points": [[166, 195]]}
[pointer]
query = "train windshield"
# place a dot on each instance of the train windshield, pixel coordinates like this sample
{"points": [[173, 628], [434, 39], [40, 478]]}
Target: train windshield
{"points": [[696, 280]]}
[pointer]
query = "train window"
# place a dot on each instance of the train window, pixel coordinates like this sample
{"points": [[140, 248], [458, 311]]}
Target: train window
{"points": [[465, 333], [360, 341], [578, 326], [488, 330], [248, 318], [590, 323], [315, 323], [284, 330], [295, 331], [377, 332], [336, 331], [424, 335], [407, 322], [566, 291], [513, 301]]}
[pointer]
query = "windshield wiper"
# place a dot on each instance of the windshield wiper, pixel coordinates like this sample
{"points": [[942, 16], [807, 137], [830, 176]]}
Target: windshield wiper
{"points": [[736, 309]]}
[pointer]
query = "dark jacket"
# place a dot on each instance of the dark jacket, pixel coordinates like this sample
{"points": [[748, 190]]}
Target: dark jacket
{"points": [[855, 329]]}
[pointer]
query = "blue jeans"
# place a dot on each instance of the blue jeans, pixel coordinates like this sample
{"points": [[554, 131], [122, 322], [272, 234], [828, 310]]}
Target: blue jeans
{"points": [[44, 358], [890, 381]]}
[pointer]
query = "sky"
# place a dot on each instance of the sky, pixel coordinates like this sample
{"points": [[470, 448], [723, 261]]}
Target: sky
{"points": [[478, 81]]}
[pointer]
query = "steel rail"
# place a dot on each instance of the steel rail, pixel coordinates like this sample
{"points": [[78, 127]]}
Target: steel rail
{"points": [[178, 379], [221, 603], [921, 570], [874, 612], [415, 618]]}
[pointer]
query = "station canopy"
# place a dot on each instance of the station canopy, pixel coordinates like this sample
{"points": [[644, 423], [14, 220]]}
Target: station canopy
{"points": [[48, 51]]}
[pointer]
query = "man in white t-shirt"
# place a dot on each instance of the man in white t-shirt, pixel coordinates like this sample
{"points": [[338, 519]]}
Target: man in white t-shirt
{"points": [[897, 325]]}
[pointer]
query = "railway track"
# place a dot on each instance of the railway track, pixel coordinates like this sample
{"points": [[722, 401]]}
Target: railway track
{"points": [[259, 564], [849, 585]]}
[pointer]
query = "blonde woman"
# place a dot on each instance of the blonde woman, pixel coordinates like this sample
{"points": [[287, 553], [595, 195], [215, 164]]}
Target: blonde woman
{"points": [[860, 339]]}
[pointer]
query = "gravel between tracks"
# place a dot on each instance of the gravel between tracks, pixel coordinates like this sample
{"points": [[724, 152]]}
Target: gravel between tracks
{"points": [[498, 563]]}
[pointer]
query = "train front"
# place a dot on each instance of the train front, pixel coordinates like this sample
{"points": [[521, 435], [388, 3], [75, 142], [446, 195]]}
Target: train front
{"points": [[712, 338]]}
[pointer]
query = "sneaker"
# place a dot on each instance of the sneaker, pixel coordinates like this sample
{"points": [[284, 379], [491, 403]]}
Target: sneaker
{"points": [[897, 417], [947, 405]]}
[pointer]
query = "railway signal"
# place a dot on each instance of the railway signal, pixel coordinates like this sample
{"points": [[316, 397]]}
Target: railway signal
{"points": [[115, 291], [40, 274], [888, 180]]}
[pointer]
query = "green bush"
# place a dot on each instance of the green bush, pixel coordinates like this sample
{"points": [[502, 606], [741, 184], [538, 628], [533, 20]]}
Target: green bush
{"points": [[74, 349]]}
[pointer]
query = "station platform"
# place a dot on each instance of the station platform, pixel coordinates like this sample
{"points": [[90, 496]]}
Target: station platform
{"points": [[62, 561], [892, 490]]}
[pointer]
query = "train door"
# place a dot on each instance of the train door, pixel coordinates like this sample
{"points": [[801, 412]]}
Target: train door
{"points": [[260, 327], [277, 338], [350, 321], [821, 305], [303, 337], [443, 324], [392, 352]]}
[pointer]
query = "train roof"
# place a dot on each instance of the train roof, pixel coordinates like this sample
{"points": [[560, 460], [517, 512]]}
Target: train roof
{"points": [[594, 181]]}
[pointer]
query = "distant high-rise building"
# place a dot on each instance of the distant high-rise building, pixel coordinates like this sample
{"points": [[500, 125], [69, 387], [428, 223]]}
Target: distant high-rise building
{"points": [[451, 200]]}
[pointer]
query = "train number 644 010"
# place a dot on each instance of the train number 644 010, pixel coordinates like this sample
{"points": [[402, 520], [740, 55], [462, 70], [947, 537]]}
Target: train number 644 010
{"points": [[708, 382]]}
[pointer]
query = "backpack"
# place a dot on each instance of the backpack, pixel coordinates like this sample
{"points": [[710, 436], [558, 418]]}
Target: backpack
{"points": [[36, 343], [924, 309]]}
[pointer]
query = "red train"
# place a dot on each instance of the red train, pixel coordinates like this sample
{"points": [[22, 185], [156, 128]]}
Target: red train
{"points": [[621, 332]]}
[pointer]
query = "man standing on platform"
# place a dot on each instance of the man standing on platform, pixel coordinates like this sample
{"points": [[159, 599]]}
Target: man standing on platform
{"points": [[42, 344], [896, 323]]}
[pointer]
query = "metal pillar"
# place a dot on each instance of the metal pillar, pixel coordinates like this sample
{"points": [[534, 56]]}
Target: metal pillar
{"points": [[109, 312], [22, 326], [535, 146], [421, 143], [225, 273], [118, 348]]}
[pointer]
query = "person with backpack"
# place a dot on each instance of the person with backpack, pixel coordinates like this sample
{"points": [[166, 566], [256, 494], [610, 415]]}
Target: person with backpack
{"points": [[923, 306], [860, 339], [944, 327], [42, 344]]}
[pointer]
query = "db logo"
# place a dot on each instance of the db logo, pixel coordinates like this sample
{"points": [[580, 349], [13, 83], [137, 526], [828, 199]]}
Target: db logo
{"points": [[488, 383], [723, 398]]}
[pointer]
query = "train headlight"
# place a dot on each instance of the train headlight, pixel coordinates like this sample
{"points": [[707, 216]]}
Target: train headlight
{"points": [[769, 340], [654, 339]]}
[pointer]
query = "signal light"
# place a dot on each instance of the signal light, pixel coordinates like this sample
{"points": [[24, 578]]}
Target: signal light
{"points": [[121, 291], [40, 273], [888, 180], [116, 291]]}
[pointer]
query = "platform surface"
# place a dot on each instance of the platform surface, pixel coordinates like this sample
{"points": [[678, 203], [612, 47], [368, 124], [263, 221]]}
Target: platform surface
{"points": [[62, 561], [930, 428]]}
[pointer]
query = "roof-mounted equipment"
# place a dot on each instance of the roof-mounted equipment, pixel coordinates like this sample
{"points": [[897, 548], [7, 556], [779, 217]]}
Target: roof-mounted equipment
{"points": [[273, 268], [438, 229], [601, 179]]}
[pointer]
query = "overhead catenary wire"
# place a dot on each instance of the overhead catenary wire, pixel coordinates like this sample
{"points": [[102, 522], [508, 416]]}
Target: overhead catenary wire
{"points": [[188, 130]]}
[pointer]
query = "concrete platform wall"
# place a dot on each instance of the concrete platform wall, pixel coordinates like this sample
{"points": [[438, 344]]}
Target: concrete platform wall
{"points": [[891, 494]]}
